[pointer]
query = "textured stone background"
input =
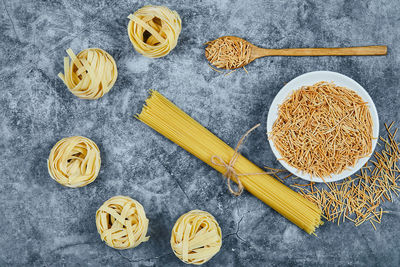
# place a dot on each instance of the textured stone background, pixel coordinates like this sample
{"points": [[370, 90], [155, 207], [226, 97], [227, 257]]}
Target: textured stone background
{"points": [[45, 224]]}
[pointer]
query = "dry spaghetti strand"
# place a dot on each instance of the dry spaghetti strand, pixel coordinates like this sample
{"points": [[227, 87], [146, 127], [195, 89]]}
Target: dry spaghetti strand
{"points": [[323, 129]]}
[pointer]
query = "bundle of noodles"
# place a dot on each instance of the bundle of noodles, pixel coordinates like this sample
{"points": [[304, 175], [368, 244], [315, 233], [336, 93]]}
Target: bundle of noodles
{"points": [[154, 30], [167, 119], [91, 74]]}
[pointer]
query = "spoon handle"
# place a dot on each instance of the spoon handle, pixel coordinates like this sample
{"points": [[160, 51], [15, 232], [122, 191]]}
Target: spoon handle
{"points": [[376, 50]]}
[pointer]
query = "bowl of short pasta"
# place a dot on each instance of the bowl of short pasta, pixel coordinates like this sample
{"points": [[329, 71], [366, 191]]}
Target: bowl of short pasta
{"points": [[322, 126]]}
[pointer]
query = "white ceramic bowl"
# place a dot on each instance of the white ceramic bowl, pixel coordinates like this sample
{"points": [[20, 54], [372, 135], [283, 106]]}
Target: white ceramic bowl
{"points": [[311, 78]]}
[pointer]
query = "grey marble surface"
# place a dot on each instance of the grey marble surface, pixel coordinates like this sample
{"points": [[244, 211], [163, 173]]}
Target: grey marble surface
{"points": [[45, 224]]}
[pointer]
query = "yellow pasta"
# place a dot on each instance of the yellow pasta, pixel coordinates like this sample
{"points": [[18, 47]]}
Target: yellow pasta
{"points": [[91, 73], [154, 30], [74, 161], [166, 118], [122, 223], [196, 237]]}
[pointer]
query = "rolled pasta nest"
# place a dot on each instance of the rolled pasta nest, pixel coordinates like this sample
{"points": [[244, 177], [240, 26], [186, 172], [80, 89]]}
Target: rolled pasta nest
{"points": [[121, 222], [154, 30], [74, 161], [90, 74], [196, 237]]}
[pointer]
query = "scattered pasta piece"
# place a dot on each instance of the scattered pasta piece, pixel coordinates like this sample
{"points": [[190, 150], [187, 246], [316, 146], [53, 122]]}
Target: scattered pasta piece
{"points": [[323, 129], [359, 199], [196, 237], [122, 223], [154, 30], [74, 161], [91, 74]]}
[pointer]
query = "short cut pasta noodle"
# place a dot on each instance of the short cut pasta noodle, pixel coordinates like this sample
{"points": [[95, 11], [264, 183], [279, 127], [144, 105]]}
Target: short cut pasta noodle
{"points": [[74, 161], [122, 223], [196, 237], [323, 129], [90, 74], [154, 30], [228, 53]]}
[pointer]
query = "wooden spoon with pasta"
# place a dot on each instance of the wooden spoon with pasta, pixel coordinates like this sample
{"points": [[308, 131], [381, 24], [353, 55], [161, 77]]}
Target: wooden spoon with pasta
{"points": [[231, 52]]}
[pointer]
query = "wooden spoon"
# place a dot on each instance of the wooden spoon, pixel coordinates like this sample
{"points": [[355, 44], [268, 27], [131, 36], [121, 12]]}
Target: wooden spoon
{"points": [[257, 52]]}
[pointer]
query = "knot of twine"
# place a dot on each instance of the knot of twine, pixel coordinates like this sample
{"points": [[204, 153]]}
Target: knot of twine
{"points": [[230, 173]]}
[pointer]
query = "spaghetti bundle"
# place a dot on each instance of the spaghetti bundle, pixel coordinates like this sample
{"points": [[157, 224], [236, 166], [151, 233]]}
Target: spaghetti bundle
{"points": [[167, 119], [74, 161], [154, 30], [323, 129], [122, 223], [91, 73], [196, 237]]}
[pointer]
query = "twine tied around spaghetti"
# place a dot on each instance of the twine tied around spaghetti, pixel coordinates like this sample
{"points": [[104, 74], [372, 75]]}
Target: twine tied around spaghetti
{"points": [[230, 173]]}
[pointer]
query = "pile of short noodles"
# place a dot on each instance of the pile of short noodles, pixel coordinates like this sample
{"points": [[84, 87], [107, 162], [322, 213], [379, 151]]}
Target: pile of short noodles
{"points": [[360, 199], [323, 129], [226, 53]]}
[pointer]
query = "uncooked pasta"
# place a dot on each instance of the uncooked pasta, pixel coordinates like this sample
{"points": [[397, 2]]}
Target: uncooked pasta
{"points": [[154, 30], [196, 237], [121, 222], [360, 199], [90, 74], [323, 129], [228, 53], [166, 118], [74, 161]]}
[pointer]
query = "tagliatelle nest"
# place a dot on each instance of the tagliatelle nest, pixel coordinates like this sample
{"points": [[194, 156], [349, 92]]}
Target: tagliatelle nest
{"points": [[154, 30], [91, 74], [196, 237], [121, 222], [74, 161]]}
